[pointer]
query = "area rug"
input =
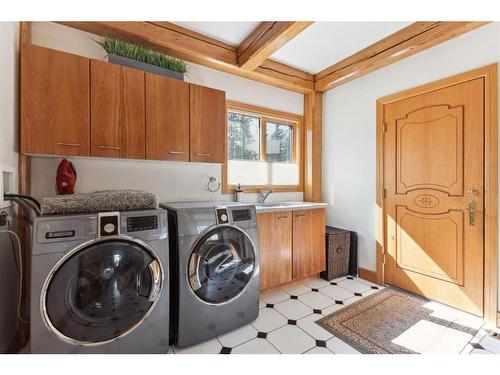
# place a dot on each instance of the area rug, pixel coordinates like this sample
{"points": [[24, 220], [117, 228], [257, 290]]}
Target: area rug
{"points": [[395, 322]]}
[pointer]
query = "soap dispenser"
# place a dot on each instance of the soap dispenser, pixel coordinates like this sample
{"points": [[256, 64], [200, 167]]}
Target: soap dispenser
{"points": [[239, 193]]}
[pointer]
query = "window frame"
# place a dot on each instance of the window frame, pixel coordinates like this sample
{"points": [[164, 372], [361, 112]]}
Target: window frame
{"points": [[268, 115]]}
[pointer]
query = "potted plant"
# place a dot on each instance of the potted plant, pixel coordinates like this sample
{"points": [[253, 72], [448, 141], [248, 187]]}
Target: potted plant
{"points": [[142, 58]]}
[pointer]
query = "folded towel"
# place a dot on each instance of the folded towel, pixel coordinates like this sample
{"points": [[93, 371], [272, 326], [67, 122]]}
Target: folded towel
{"points": [[99, 201]]}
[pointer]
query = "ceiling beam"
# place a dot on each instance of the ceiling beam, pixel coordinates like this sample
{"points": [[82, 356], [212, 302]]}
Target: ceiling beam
{"points": [[404, 43], [196, 48], [266, 39]]}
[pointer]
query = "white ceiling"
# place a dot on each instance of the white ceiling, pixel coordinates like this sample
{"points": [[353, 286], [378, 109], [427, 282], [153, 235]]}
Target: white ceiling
{"points": [[325, 43], [319, 46], [230, 32]]}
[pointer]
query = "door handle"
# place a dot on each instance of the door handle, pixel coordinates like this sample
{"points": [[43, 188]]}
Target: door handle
{"points": [[176, 152], [155, 270], [109, 147], [472, 211], [202, 154]]}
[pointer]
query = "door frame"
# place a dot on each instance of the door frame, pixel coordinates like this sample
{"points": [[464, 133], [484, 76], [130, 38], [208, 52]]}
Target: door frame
{"points": [[489, 73]]}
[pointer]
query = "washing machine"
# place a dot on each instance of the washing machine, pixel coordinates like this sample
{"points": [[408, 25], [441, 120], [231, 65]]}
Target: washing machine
{"points": [[99, 283], [214, 269]]}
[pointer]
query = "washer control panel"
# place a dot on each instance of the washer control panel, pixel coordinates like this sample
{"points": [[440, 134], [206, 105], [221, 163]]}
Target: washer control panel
{"points": [[139, 223]]}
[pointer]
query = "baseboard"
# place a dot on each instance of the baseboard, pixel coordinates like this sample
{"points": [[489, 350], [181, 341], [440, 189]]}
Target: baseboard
{"points": [[367, 275]]}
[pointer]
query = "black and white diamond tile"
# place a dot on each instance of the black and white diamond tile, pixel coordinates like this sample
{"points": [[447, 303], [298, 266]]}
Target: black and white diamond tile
{"points": [[287, 322]]}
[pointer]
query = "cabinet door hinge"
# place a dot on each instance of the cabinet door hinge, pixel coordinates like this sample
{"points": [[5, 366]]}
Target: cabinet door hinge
{"points": [[384, 193], [384, 127], [383, 258]]}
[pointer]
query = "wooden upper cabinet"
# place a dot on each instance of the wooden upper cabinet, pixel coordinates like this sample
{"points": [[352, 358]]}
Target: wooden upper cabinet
{"points": [[308, 242], [54, 102], [207, 124], [167, 118], [118, 111], [275, 248]]}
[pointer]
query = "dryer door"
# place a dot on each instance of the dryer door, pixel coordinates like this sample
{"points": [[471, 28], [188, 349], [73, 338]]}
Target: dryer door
{"points": [[101, 291], [221, 264]]}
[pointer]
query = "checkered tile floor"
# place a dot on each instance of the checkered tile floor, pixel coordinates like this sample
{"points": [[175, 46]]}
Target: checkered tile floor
{"points": [[286, 322]]}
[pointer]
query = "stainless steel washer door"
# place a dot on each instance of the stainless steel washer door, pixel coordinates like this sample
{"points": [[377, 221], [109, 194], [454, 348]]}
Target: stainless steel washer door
{"points": [[101, 291], [221, 264]]}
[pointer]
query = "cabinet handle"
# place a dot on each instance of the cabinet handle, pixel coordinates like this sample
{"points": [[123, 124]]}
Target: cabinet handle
{"points": [[300, 215], [202, 154], [282, 217], [176, 152], [68, 144], [110, 147]]}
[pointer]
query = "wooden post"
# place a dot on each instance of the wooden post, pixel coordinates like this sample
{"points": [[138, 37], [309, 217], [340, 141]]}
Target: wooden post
{"points": [[24, 187], [313, 146]]}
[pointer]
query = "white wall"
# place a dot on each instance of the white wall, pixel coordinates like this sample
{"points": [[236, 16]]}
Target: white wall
{"points": [[349, 127], [9, 34], [173, 181]]}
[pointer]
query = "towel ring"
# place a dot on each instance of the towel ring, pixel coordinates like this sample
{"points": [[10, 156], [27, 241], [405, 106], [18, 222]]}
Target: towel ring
{"points": [[212, 180]]}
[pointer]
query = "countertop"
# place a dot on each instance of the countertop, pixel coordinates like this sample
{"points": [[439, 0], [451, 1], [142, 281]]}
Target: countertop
{"points": [[288, 206]]}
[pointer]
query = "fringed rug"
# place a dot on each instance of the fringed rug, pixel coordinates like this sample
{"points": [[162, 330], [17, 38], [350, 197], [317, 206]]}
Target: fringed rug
{"points": [[392, 321]]}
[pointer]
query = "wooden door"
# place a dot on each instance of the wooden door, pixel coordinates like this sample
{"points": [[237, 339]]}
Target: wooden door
{"points": [[433, 162], [207, 124], [275, 245], [118, 111], [167, 118], [54, 102], [308, 242]]}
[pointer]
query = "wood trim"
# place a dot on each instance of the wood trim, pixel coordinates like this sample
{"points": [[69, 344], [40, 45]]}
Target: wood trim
{"points": [[196, 48], [368, 275], [23, 187], [406, 42], [266, 39], [490, 75], [264, 111], [380, 230], [313, 150], [266, 114]]}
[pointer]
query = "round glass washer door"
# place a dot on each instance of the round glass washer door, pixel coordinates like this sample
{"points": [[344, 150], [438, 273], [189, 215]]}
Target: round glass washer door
{"points": [[221, 265], [102, 291]]}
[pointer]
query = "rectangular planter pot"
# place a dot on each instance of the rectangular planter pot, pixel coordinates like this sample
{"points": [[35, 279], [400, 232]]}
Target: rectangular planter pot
{"points": [[125, 61]]}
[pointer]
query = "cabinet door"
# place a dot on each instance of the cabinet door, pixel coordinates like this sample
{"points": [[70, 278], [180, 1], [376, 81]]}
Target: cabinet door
{"points": [[117, 120], [54, 102], [308, 242], [207, 124], [275, 233], [167, 118]]}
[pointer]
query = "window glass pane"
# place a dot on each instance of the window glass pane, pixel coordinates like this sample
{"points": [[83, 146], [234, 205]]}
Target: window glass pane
{"points": [[243, 137], [278, 142]]}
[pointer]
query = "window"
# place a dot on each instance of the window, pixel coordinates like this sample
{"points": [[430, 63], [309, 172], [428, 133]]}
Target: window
{"points": [[263, 149]]}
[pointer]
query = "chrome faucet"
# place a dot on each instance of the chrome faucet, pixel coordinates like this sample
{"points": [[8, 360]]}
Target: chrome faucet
{"points": [[264, 194]]}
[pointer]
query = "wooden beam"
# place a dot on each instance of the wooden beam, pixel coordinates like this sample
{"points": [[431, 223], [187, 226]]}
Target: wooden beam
{"points": [[266, 39], [199, 49], [313, 147], [415, 38]]}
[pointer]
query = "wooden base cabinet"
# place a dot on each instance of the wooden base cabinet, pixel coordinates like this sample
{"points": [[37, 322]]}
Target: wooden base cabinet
{"points": [[54, 102], [308, 243], [275, 239], [292, 245]]}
